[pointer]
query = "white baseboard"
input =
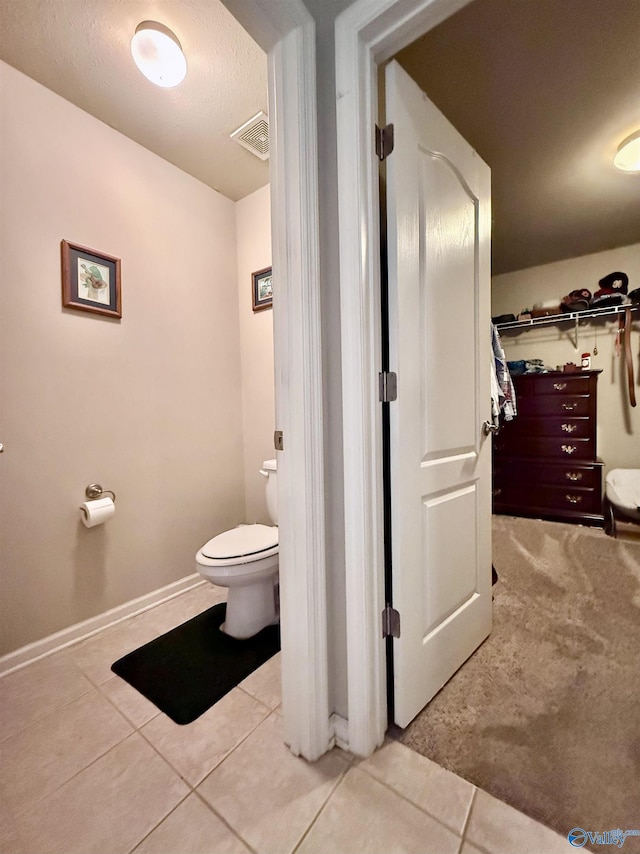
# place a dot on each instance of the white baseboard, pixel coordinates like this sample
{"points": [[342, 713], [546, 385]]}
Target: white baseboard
{"points": [[80, 631], [340, 730]]}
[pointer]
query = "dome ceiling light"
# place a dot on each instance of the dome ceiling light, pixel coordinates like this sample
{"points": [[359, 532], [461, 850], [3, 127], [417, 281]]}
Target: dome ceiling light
{"points": [[628, 156], [158, 54]]}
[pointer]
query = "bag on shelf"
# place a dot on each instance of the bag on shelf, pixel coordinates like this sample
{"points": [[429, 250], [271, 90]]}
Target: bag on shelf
{"points": [[546, 308]]}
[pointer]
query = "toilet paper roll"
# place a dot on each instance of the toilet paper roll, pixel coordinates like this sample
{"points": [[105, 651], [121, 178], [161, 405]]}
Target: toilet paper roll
{"points": [[96, 512]]}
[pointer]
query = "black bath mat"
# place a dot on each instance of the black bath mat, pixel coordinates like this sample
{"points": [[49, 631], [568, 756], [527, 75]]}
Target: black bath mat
{"points": [[187, 670]]}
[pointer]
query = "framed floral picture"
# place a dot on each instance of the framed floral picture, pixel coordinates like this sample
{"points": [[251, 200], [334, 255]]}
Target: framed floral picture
{"points": [[90, 280], [262, 289]]}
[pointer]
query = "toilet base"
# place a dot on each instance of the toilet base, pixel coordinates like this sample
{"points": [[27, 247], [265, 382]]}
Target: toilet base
{"points": [[250, 608]]}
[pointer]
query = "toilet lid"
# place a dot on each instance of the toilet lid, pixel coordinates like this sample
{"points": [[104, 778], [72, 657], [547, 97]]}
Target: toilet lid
{"points": [[241, 541]]}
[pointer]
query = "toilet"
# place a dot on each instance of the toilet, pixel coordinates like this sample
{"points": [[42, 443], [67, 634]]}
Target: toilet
{"points": [[245, 560]]}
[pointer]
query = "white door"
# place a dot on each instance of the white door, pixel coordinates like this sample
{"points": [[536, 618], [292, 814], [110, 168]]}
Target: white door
{"points": [[439, 230]]}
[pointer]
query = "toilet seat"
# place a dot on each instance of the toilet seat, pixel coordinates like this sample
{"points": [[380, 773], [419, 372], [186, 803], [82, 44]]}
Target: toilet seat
{"points": [[244, 544]]}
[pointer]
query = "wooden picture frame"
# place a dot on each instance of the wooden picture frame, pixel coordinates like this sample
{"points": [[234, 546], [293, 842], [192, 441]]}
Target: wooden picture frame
{"points": [[262, 289], [90, 280]]}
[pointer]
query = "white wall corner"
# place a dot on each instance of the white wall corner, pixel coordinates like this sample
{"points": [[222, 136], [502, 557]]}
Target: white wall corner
{"points": [[268, 22]]}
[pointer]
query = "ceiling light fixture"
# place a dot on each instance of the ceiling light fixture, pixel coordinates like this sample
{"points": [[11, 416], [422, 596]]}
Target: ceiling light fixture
{"points": [[628, 156], [158, 54]]}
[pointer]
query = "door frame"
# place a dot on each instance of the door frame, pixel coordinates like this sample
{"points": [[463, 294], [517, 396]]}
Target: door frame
{"points": [[368, 33], [286, 31]]}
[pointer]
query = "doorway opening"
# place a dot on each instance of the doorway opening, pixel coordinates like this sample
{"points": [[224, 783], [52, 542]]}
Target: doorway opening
{"points": [[551, 632]]}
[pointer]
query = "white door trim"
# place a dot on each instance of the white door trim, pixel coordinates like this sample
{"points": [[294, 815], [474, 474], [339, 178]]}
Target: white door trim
{"points": [[367, 33], [287, 32], [299, 399]]}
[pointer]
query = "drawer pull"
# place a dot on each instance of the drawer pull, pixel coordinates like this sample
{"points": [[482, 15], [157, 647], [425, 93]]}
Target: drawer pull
{"points": [[574, 475], [573, 499], [569, 407], [559, 386], [497, 491], [569, 449], [569, 428]]}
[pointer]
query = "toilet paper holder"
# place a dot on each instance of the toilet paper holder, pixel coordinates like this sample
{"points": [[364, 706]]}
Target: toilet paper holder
{"points": [[94, 490]]}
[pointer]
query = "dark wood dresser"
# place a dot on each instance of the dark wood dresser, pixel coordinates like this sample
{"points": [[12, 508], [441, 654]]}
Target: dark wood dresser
{"points": [[544, 461]]}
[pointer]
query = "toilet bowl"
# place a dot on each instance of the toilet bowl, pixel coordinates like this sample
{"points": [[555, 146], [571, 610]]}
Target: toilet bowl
{"points": [[245, 560]]}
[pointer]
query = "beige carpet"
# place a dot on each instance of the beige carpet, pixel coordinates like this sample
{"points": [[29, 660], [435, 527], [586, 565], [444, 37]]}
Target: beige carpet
{"points": [[546, 714]]}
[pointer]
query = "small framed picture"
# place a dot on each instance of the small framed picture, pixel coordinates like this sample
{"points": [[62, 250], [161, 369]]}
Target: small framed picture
{"points": [[262, 289], [90, 280]]}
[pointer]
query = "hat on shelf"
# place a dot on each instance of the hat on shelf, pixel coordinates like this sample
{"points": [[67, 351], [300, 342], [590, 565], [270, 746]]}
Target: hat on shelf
{"points": [[612, 291], [607, 299], [615, 283], [576, 301]]}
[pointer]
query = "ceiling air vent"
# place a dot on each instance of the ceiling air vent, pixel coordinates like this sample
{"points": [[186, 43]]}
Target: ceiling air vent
{"points": [[254, 135]]}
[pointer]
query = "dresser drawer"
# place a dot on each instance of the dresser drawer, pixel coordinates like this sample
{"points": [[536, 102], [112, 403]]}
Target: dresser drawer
{"points": [[548, 498], [560, 448], [569, 427], [510, 471], [563, 384], [573, 405]]}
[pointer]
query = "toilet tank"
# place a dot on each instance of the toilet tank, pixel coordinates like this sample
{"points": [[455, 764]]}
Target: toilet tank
{"points": [[269, 470]]}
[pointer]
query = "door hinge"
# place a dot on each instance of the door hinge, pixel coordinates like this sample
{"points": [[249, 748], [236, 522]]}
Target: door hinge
{"points": [[390, 623], [388, 386], [384, 141], [278, 440]]}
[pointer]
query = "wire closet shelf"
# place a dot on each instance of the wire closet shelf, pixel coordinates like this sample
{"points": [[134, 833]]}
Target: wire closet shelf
{"points": [[566, 316]]}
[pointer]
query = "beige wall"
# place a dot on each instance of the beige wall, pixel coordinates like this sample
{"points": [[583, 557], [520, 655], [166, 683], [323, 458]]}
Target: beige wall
{"points": [[253, 229], [618, 423], [149, 406]]}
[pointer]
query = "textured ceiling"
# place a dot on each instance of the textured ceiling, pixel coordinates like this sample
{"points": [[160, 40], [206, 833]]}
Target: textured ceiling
{"points": [[544, 90], [80, 49]]}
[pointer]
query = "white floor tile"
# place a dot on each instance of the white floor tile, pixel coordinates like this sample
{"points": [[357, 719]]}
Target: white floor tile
{"points": [[192, 827], [268, 795], [178, 610], [77, 781], [34, 691], [39, 759], [196, 748], [444, 795], [500, 829], [109, 807], [131, 703], [265, 683], [363, 817]]}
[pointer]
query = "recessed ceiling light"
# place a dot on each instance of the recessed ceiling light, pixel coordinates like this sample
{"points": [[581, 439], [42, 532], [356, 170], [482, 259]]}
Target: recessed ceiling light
{"points": [[158, 54], [628, 156]]}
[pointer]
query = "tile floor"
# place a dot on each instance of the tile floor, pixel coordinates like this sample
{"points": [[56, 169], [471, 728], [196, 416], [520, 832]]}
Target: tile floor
{"points": [[89, 765]]}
